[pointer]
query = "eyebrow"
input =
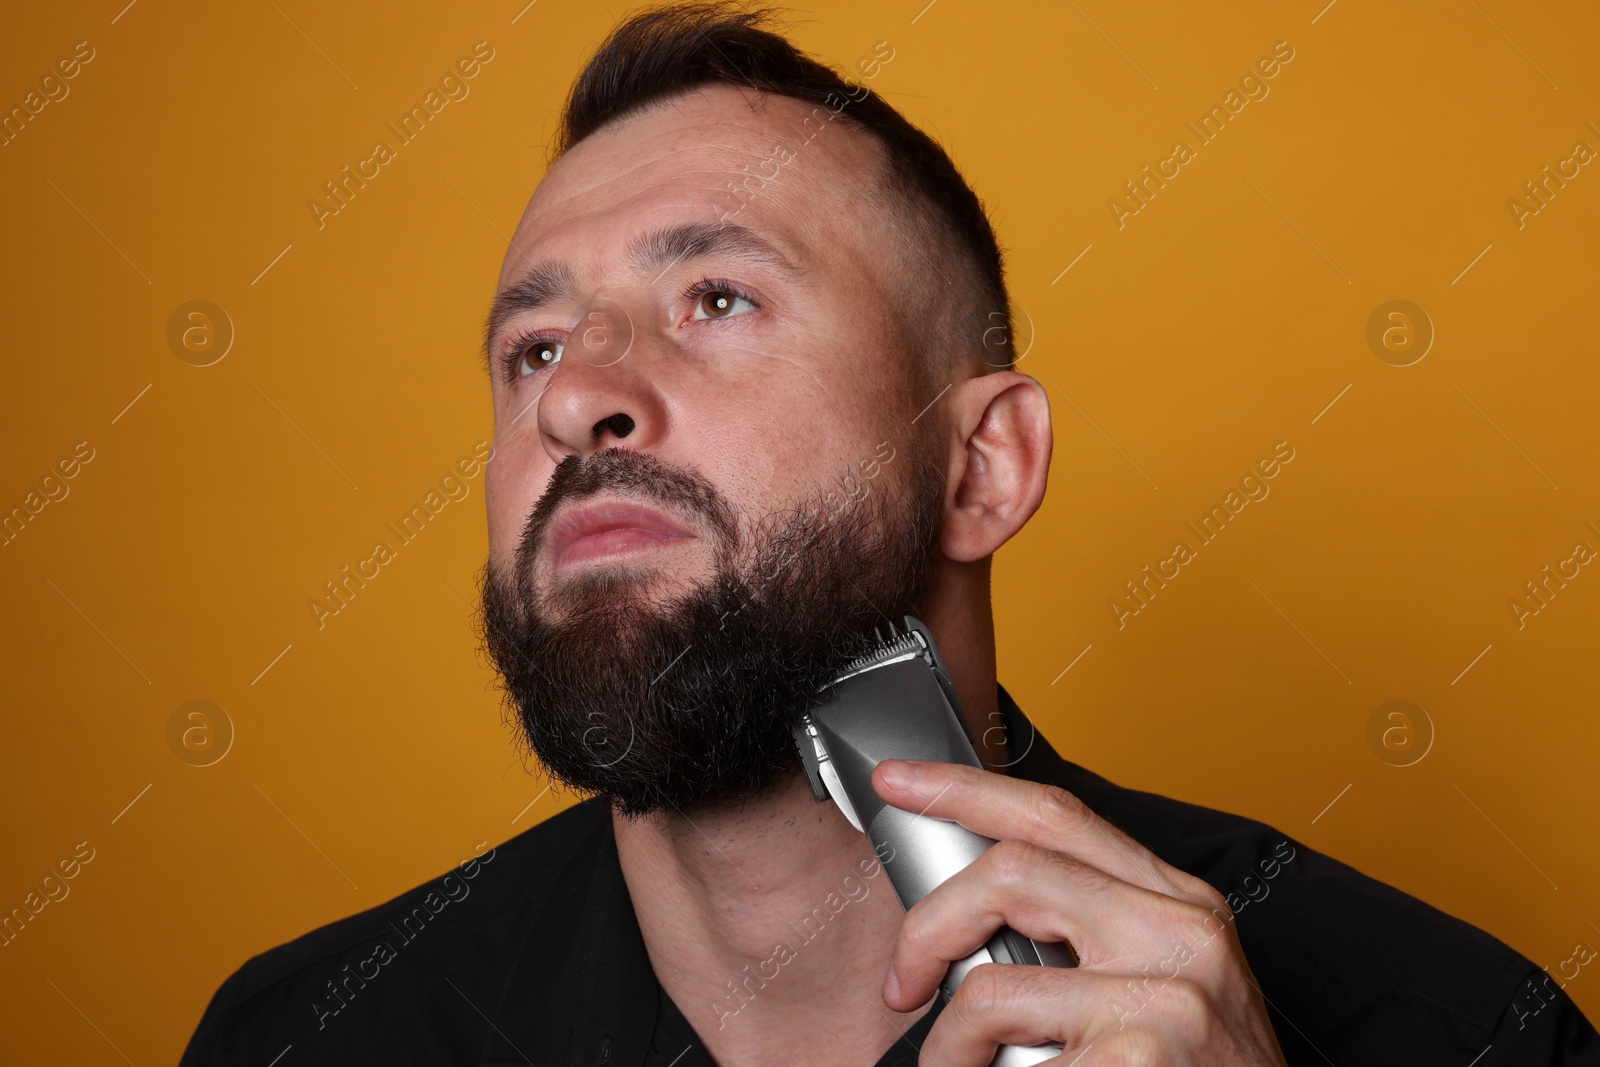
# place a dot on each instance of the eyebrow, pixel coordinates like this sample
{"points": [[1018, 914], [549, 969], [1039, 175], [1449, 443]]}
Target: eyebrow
{"points": [[658, 251]]}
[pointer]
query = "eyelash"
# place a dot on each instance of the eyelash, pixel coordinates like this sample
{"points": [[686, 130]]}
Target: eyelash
{"points": [[517, 346]]}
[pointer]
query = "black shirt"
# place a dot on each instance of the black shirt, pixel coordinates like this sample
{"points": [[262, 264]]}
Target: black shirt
{"points": [[531, 954]]}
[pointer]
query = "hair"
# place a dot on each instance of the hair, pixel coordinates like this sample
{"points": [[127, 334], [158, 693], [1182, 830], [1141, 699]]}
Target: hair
{"points": [[660, 53]]}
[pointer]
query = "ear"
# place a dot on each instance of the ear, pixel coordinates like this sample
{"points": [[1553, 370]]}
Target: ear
{"points": [[999, 462]]}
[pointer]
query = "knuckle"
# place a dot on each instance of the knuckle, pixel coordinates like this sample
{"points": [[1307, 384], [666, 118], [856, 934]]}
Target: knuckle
{"points": [[1134, 1048], [915, 933], [1220, 911], [1056, 809], [1188, 1006], [1198, 919], [984, 993], [1209, 896], [1014, 862]]}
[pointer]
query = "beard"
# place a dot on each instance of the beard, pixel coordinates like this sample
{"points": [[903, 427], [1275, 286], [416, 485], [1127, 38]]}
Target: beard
{"points": [[687, 703]]}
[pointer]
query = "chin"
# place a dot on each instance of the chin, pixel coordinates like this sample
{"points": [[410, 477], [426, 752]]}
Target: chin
{"points": [[602, 587]]}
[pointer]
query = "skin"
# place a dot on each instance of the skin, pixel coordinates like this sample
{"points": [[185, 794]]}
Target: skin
{"points": [[770, 403]]}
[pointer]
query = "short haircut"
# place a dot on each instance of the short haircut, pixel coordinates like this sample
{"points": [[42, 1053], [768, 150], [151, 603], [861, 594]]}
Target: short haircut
{"points": [[660, 53]]}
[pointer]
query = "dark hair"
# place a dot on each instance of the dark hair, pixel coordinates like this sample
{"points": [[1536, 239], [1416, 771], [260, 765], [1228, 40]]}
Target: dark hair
{"points": [[662, 52]]}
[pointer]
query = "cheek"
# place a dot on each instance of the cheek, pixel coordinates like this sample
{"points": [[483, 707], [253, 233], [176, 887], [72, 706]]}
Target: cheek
{"points": [[751, 428], [799, 429], [512, 483], [772, 463]]}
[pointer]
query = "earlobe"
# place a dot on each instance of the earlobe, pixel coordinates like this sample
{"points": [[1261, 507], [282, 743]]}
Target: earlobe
{"points": [[999, 463]]}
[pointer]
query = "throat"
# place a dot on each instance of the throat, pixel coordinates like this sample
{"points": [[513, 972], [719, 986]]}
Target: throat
{"points": [[758, 921]]}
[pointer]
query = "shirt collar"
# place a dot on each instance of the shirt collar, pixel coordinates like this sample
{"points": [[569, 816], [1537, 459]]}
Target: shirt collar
{"points": [[583, 991]]}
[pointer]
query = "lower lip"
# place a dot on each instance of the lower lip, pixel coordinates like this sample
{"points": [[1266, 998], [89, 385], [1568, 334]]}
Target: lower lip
{"points": [[610, 544]]}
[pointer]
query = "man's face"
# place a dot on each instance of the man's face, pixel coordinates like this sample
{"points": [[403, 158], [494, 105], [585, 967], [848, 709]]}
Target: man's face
{"points": [[767, 403], [708, 482]]}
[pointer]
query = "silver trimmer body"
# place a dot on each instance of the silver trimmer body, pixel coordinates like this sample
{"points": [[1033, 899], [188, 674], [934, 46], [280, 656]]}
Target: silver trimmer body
{"points": [[897, 702]]}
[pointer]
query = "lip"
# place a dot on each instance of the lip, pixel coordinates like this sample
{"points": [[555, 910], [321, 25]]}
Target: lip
{"points": [[611, 528]]}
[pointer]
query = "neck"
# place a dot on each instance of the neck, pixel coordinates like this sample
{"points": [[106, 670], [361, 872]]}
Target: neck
{"points": [[957, 612], [753, 914], [752, 917]]}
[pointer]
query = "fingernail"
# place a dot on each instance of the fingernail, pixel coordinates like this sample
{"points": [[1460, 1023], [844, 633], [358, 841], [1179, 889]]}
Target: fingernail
{"points": [[899, 775], [891, 985]]}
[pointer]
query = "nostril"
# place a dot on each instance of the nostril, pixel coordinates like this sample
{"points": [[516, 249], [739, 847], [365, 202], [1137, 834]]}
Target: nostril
{"points": [[620, 425]]}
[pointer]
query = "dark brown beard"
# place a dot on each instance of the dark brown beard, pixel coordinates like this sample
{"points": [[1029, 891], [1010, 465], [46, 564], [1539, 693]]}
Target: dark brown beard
{"points": [[689, 703]]}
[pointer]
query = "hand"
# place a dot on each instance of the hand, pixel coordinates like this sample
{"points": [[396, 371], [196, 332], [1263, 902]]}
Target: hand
{"points": [[1161, 976]]}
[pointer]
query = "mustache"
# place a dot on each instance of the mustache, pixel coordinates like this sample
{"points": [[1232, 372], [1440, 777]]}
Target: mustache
{"points": [[627, 472]]}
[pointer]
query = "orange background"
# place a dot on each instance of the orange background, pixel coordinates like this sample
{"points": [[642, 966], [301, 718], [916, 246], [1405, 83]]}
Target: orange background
{"points": [[1224, 317]]}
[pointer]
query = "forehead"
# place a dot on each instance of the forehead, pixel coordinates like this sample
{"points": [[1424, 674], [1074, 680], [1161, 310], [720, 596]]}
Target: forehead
{"points": [[787, 168]]}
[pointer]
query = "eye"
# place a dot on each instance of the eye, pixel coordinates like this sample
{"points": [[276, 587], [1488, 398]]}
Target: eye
{"points": [[536, 356], [717, 302]]}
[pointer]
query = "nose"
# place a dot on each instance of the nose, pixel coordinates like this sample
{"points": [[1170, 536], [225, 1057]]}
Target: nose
{"points": [[600, 393]]}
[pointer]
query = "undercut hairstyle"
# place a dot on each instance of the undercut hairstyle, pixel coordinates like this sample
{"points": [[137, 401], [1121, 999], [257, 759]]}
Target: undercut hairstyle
{"points": [[956, 308]]}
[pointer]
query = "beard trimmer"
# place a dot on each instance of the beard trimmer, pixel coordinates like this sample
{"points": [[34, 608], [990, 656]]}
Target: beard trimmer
{"points": [[897, 702]]}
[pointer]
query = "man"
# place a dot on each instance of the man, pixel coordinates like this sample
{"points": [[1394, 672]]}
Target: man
{"points": [[753, 398]]}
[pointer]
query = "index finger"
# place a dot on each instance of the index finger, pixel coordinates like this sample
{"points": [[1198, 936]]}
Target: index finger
{"points": [[1048, 816]]}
